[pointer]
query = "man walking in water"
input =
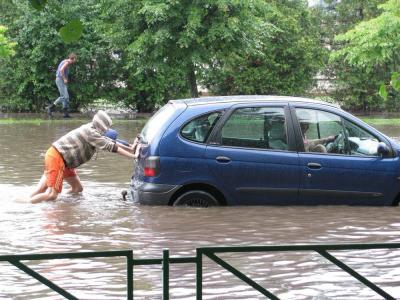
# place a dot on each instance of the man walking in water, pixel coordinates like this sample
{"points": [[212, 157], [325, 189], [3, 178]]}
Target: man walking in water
{"points": [[61, 82], [74, 149]]}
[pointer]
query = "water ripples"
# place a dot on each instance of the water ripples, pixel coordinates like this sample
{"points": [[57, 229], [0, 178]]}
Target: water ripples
{"points": [[99, 220], [91, 223]]}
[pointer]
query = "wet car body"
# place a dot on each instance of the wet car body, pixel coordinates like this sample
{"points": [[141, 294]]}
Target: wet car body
{"points": [[250, 150]]}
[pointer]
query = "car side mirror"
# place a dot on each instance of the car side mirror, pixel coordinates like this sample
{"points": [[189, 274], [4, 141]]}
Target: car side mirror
{"points": [[383, 149]]}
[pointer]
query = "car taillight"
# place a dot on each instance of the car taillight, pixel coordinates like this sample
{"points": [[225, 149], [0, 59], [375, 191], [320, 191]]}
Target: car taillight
{"points": [[152, 166]]}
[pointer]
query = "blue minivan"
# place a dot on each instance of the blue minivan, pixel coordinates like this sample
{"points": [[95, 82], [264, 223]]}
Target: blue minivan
{"points": [[263, 150]]}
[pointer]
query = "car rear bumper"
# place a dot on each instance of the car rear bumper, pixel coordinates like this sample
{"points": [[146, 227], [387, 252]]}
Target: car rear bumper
{"points": [[152, 193]]}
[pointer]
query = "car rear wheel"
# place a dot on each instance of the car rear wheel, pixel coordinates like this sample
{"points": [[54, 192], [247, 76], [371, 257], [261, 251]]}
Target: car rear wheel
{"points": [[196, 199]]}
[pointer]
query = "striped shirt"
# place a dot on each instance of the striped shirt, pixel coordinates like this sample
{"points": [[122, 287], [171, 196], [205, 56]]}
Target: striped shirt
{"points": [[79, 145]]}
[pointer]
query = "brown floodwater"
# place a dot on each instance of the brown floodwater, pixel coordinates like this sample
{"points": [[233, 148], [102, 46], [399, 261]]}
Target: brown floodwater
{"points": [[99, 220]]}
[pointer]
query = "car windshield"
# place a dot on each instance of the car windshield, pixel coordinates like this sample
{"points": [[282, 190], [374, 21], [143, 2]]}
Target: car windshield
{"points": [[157, 121], [361, 142]]}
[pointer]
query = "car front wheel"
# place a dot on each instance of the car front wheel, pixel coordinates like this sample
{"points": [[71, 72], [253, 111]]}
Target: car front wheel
{"points": [[196, 199]]}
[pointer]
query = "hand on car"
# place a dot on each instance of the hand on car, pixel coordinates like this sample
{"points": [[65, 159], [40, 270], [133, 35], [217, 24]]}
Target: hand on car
{"points": [[137, 151], [135, 143]]}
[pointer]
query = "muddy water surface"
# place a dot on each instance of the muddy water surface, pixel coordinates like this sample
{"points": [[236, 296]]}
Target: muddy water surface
{"points": [[99, 220]]}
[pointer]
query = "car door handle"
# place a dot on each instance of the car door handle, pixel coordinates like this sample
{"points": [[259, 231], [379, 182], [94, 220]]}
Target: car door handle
{"points": [[222, 159], [314, 166]]}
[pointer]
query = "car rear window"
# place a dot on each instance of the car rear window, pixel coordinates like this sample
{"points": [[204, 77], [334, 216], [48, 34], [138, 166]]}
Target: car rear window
{"points": [[199, 129], [158, 121]]}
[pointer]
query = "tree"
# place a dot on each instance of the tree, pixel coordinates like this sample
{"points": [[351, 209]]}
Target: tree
{"points": [[286, 62], [6, 47], [375, 44], [355, 86], [27, 81], [184, 35], [141, 88]]}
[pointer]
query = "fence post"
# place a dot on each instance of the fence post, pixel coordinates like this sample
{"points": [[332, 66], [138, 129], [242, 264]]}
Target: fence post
{"points": [[199, 274], [165, 268], [129, 273]]}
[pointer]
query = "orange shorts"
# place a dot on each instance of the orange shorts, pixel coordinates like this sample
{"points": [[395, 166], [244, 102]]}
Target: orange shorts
{"points": [[55, 170]]}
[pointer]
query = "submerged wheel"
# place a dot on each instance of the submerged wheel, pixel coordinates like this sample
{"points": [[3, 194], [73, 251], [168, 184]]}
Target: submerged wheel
{"points": [[196, 199]]}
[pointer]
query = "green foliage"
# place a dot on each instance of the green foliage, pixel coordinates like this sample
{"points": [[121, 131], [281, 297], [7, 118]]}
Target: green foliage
{"points": [[285, 63], [383, 92], [27, 81], [375, 41], [6, 47], [38, 4], [395, 81], [183, 37], [372, 42], [355, 87], [373, 45], [142, 53], [72, 31]]}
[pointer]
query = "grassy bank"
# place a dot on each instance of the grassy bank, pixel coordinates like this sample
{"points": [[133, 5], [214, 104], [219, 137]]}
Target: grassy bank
{"points": [[37, 121], [12, 121], [381, 121]]}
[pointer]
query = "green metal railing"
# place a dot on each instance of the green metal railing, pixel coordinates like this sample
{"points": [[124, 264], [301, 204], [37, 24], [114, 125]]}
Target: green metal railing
{"points": [[322, 250], [211, 253], [16, 261]]}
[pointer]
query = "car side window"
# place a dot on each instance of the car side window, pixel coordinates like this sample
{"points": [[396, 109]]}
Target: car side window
{"points": [[321, 131], [361, 142], [199, 129], [256, 127]]}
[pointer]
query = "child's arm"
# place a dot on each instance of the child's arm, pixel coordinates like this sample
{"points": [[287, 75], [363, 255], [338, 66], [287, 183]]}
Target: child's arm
{"points": [[129, 147], [123, 152], [126, 148]]}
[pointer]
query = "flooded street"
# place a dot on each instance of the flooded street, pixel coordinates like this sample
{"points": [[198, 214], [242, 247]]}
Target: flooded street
{"points": [[99, 220]]}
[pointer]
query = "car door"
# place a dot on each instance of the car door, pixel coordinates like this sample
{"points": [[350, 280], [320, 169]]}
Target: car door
{"points": [[343, 170], [252, 156]]}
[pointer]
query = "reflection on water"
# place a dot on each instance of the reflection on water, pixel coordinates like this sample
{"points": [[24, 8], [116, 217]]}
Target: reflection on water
{"points": [[99, 220]]}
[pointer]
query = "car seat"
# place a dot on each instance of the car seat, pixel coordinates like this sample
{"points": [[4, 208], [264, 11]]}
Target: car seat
{"points": [[277, 135], [202, 130]]}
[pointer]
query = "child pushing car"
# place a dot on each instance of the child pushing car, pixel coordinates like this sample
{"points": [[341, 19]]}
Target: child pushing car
{"points": [[74, 149]]}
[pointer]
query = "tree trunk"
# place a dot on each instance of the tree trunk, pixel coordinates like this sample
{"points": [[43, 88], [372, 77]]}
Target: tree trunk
{"points": [[191, 76], [364, 103]]}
